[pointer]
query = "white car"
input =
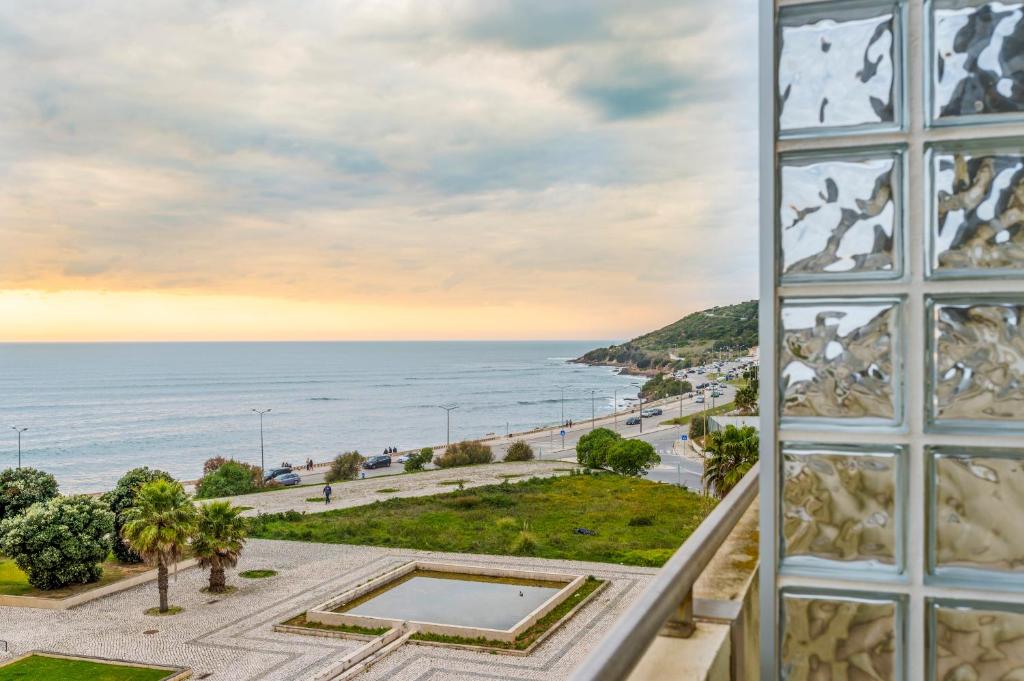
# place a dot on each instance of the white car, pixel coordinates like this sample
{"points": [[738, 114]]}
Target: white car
{"points": [[700, 399], [402, 459]]}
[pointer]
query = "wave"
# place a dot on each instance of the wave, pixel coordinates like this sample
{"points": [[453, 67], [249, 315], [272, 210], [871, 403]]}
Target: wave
{"points": [[325, 399]]}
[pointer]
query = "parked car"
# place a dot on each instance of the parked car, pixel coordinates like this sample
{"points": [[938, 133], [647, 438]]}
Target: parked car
{"points": [[656, 412], [633, 421], [275, 473], [700, 399], [647, 413], [715, 393], [379, 461], [402, 459], [288, 479]]}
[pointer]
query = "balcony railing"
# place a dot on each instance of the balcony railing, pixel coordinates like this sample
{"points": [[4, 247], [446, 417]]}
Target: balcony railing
{"points": [[666, 606]]}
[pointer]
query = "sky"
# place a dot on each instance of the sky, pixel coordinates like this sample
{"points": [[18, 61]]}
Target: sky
{"points": [[373, 169]]}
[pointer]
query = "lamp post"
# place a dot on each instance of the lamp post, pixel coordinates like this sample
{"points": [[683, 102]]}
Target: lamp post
{"points": [[562, 388], [448, 416], [19, 431], [263, 463], [593, 410], [640, 394], [615, 409]]}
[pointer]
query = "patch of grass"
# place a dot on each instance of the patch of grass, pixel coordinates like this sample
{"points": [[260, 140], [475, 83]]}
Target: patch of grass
{"points": [[171, 610], [257, 574], [548, 509], [314, 500], [387, 490], [511, 476], [453, 482], [685, 420], [228, 589], [641, 521], [245, 508], [301, 621], [45, 668], [526, 639], [14, 582]]}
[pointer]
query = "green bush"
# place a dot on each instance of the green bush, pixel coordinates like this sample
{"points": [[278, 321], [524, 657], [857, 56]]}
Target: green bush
{"points": [[230, 478], [22, 487], [213, 464], [519, 451], [467, 501], [121, 498], [632, 457], [344, 467], [592, 449], [641, 521], [465, 454], [60, 542], [697, 425], [524, 543], [417, 460]]}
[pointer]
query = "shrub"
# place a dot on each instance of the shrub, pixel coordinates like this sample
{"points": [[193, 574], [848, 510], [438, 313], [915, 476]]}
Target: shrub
{"points": [[60, 542], [467, 501], [213, 464], [121, 498], [592, 449], [22, 487], [697, 425], [632, 457], [506, 523], [641, 521], [465, 454], [519, 451], [344, 467], [524, 543], [230, 478], [417, 460]]}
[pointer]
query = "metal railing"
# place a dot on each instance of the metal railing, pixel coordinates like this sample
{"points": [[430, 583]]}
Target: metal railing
{"points": [[666, 606]]}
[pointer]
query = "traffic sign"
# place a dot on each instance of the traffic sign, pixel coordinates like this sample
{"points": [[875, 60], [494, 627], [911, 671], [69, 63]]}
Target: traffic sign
{"points": [[562, 433], [684, 437]]}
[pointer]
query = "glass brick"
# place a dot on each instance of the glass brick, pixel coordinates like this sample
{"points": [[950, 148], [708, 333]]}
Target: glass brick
{"points": [[977, 362], [977, 211], [977, 67], [840, 217], [977, 506], [836, 67], [840, 506], [975, 641], [839, 360], [835, 637]]}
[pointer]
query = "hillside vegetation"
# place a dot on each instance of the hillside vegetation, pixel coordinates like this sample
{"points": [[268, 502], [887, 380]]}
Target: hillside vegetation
{"points": [[687, 342]]}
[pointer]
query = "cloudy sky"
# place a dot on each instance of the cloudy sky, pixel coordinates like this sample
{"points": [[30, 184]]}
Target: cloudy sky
{"points": [[376, 169]]}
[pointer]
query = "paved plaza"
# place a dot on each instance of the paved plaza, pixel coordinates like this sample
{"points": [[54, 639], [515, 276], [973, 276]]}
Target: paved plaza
{"points": [[231, 637]]}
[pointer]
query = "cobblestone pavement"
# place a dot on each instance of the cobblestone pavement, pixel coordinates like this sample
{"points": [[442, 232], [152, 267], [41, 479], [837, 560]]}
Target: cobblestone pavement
{"points": [[231, 638], [361, 492]]}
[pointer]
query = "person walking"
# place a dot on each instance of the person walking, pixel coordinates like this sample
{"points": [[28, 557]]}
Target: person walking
{"points": [[327, 493]]}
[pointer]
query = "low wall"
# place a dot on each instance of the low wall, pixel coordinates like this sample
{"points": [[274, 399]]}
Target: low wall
{"points": [[43, 603], [324, 613]]}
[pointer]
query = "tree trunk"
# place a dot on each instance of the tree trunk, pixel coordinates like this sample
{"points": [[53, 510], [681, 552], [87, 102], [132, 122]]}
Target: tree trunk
{"points": [[217, 578], [161, 582]]}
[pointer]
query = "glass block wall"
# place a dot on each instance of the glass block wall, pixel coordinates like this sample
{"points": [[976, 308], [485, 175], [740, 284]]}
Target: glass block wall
{"points": [[892, 345]]}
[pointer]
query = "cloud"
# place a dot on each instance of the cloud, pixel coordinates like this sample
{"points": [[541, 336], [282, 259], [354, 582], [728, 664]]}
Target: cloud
{"points": [[367, 153]]}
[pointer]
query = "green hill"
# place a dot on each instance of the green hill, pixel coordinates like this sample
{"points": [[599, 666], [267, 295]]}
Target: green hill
{"points": [[693, 339]]}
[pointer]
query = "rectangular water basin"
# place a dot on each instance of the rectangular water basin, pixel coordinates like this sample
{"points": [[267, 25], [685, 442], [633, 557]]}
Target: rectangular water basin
{"points": [[455, 600]]}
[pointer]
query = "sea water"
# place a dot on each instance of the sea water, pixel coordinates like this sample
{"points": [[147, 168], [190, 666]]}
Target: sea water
{"points": [[95, 410]]}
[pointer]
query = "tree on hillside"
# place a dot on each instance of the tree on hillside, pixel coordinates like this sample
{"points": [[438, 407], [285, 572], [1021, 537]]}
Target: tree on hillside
{"points": [[592, 448], [121, 498], [729, 455], [632, 457], [60, 542], [344, 467], [22, 487], [219, 538], [159, 526]]}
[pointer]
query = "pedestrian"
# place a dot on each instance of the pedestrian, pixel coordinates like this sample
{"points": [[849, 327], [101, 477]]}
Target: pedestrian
{"points": [[327, 493]]}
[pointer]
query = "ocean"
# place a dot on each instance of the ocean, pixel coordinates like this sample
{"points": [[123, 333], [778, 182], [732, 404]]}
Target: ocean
{"points": [[95, 410]]}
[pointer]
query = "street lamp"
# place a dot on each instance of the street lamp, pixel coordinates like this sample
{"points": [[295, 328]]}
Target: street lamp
{"points": [[640, 394], [562, 388], [263, 465], [448, 413], [19, 431], [593, 410]]}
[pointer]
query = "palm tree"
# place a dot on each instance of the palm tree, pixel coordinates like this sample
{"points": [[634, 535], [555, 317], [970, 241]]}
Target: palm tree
{"points": [[219, 538], [158, 527], [730, 453]]}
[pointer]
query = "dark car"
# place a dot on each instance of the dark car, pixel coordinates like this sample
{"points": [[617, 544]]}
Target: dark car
{"points": [[379, 461], [633, 421], [288, 479], [275, 473]]}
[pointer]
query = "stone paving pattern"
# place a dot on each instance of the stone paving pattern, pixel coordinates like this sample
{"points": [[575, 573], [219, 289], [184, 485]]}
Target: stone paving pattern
{"points": [[231, 637]]}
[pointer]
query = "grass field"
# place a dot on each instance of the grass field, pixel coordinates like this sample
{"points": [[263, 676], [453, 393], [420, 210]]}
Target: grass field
{"points": [[42, 668], [535, 517], [14, 582]]}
